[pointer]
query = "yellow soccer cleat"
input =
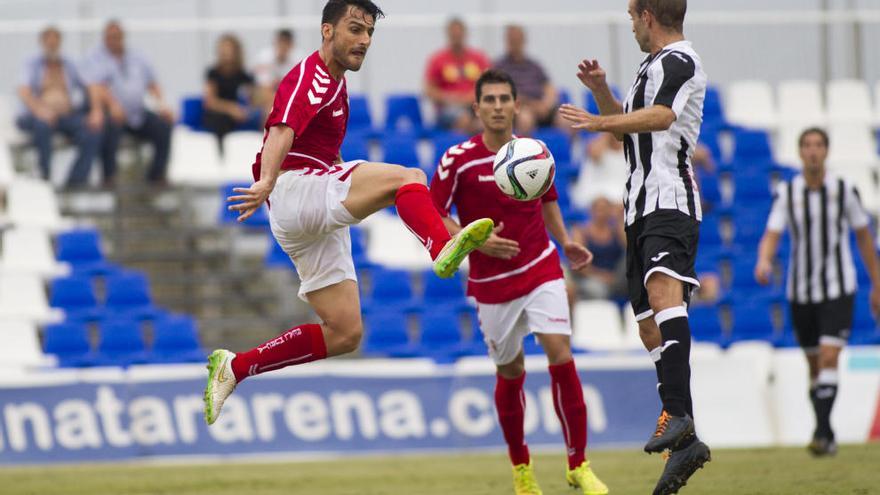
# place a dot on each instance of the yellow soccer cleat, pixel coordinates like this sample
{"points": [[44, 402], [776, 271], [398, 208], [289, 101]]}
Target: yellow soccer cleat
{"points": [[584, 478], [474, 235], [524, 481], [221, 383]]}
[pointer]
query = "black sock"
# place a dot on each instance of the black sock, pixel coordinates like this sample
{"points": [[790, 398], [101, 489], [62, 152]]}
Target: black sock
{"points": [[826, 392], [815, 404], [675, 359]]}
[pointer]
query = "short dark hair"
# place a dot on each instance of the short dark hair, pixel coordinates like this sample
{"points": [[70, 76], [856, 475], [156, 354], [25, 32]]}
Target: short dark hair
{"points": [[50, 29], [814, 130], [669, 13], [494, 76], [285, 34], [336, 9]]}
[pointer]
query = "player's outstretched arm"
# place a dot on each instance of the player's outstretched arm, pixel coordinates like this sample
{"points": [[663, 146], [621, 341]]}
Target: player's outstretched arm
{"points": [[578, 255], [276, 147], [766, 252], [869, 255], [651, 119], [593, 76]]}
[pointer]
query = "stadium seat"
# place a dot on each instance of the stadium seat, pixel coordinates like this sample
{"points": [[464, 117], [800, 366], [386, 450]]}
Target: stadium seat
{"points": [[360, 119], [800, 102], [240, 150], [786, 148], [24, 297], [387, 335], [440, 335], [128, 296], [260, 218], [849, 102], [748, 228], [121, 343], [752, 321], [743, 276], [404, 114], [631, 338], [751, 145], [445, 140], [176, 340], [390, 244], [751, 187], [597, 326], [192, 112], [559, 144], [82, 250], [400, 149], [448, 293], [76, 297], [713, 113], [705, 323], [751, 104], [29, 251], [32, 203], [391, 290], [195, 159], [710, 232], [590, 100], [359, 248], [355, 147], [69, 342], [851, 143], [21, 345], [276, 257]]}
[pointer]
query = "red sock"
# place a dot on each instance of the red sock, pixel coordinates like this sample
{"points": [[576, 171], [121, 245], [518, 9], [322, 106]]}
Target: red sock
{"points": [[568, 400], [415, 208], [511, 404], [298, 345]]}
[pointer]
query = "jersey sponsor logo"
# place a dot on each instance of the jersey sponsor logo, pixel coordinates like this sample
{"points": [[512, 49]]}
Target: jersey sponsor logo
{"points": [[659, 256], [337, 113], [486, 178]]}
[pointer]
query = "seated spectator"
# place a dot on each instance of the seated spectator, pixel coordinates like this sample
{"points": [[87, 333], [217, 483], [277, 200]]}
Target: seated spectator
{"points": [[227, 85], [121, 80], [603, 173], [450, 78], [537, 96], [273, 63], [54, 101], [603, 235]]}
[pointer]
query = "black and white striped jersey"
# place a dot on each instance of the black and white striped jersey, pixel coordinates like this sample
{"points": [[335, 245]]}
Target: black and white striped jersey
{"points": [[819, 222], [661, 175]]}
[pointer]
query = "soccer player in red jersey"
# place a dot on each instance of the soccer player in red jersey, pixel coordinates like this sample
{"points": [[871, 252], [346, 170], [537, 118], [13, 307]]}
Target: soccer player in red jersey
{"points": [[517, 280], [314, 197]]}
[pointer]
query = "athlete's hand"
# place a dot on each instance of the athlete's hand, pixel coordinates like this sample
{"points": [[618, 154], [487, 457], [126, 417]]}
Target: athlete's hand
{"points": [[250, 199], [763, 272], [499, 247], [578, 256], [875, 301], [581, 119], [592, 75]]}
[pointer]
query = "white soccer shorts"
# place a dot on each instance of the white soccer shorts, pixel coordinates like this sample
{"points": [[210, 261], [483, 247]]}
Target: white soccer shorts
{"points": [[544, 310], [312, 226]]}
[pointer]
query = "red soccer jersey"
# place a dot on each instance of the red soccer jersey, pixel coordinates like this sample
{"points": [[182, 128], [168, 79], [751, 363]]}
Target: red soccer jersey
{"points": [[464, 178], [315, 106], [458, 74]]}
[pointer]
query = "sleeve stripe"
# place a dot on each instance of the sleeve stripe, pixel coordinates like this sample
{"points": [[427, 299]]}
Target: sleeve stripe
{"points": [[302, 69], [678, 69]]}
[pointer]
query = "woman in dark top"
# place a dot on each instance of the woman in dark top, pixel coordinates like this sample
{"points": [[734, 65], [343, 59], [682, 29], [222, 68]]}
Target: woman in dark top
{"points": [[604, 277], [227, 86]]}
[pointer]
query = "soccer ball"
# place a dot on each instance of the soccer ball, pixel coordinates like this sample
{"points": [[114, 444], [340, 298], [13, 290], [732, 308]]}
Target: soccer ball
{"points": [[524, 169]]}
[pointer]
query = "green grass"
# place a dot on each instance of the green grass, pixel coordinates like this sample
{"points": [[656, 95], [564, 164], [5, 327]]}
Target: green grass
{"points": [[855, 471]]}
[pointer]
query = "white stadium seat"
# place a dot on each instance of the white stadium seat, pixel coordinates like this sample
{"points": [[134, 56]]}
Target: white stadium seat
{"points": [[23, 297], [786, 145], [851, 143], [32, 203], [631, 338], [849, 101], [391, 244], [800, 102], [195, 159], [21, 345], [751, 104], [10, 134], [29, 251], [597, 326], [239, 150], [7, 171]]}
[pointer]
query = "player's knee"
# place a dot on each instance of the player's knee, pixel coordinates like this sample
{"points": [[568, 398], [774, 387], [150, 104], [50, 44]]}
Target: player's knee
{"points": [[347, 332], [413, 176], [828, 360], [512, 370]]}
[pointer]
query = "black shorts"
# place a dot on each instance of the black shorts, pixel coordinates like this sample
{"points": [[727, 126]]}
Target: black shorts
{"points": [[664, 241], [827, 322]]}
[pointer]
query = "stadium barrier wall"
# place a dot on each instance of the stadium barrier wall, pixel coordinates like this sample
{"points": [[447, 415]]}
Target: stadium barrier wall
{"points": [[358, 407]]}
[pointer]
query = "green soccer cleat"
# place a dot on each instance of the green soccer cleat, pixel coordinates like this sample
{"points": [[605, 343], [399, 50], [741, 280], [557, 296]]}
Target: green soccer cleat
{"points": [[524, 481], [584, 478], [221, 383], [470, 238]]}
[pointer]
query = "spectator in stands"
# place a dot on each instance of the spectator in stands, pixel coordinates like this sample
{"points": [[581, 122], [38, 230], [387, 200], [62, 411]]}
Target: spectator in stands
{"points": [[121, 79], [227, 89], [54, 100], [537, 95], [603, 235], [273, 63], [450, 79], [602, 174]]}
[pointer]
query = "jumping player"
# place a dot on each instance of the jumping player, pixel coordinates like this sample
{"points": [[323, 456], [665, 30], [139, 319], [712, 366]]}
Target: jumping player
{"points": [[517, 282], [314, 197]]}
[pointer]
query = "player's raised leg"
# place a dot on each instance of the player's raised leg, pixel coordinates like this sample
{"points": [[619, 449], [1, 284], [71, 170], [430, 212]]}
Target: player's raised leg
{"points": [[377, 185]]}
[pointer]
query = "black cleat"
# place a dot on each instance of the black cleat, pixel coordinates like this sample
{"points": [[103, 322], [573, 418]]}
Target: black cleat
{"points": [[671, 432], [681, 465], [821, 447]]}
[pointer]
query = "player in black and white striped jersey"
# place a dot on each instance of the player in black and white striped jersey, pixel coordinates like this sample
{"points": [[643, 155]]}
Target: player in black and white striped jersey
{"points": [[819, 209], [659, 124]]}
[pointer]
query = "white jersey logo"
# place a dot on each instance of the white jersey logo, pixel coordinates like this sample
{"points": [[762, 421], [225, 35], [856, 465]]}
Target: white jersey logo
{"points": [[659, 256], [337, 113]]}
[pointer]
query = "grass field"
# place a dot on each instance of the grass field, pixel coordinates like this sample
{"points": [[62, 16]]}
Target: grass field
{"points": [[855, 471]]}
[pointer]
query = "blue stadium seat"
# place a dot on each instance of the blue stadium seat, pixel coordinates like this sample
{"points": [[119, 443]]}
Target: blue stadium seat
{"points": [[391, 290], [440, 335], [76, 296], [400, 149], [558, 142], [752, 321], [359, 249], [705, 323], [403, 114], [360, 119], [69, 342], [448, 293], [590, 100], [710, 232], [445, 140], [121, 343], [751, 145], [192, 112], [750, 187], [564, 96], [128, 295], [176, 340], [260, 218], [82, 250], [355, 147], [387, 335], [749, 226], [276, 257], [713, 113]]}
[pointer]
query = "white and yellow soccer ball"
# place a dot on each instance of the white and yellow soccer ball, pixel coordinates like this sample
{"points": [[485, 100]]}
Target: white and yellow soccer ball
{"points": [[524, 169]]}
